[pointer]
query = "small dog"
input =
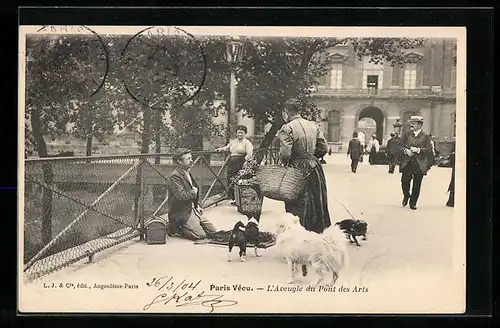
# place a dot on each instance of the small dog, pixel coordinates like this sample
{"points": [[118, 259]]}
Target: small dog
{"points": [[325, 253], [353, 228], [241, 235]]}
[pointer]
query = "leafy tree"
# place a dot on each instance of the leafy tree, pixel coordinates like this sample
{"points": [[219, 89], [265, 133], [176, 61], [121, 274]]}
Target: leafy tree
{"points": [[161, 71], [59, 69], [55, 75]]}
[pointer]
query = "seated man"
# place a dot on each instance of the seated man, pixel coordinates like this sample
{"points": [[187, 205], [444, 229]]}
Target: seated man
{"points": [[184, 212]]}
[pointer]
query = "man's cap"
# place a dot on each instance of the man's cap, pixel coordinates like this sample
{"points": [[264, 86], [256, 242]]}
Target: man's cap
{"points": [[417, 119]]}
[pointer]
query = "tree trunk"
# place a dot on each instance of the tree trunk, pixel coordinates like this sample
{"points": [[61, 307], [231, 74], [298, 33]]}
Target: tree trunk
{"points": [[268, 138], [158, 190], [146, 139], [48, 177], [89, 129], [146, 132], [158, 124]]}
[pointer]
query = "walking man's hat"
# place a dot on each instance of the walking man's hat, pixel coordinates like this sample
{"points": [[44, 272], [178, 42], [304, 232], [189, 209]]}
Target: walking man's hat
{"points": [[417, 119]]}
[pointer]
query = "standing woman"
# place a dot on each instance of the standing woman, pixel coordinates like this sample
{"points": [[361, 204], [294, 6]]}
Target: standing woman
{"points": [[240, 150], [302, 144], [373, 148]]}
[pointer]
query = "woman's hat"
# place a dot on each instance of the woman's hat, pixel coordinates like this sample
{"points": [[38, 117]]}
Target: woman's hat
{"points": [[417, 119]]}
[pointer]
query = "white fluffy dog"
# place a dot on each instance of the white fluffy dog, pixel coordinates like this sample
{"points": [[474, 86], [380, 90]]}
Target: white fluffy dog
{"points": [[326, 253]]}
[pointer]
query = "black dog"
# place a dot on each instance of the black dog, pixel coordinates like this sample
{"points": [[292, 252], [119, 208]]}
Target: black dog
{"points": [[243, 234], [353, 228]]}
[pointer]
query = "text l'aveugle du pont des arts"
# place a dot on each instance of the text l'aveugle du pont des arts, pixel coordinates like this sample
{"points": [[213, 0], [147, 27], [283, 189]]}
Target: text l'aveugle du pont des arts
{"points": [[292, 288]]}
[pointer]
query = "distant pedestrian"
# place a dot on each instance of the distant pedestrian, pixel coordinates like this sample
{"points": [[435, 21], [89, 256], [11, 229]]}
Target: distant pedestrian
{"points": [[373, 148], [355, 149], [392, 152]]}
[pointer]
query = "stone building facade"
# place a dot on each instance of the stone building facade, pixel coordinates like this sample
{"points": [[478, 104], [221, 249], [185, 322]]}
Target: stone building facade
{"points": [[356, 89]]}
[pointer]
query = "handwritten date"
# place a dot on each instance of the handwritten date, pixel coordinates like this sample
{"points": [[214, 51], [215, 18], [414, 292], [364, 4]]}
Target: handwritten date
{"points": [[184, 294]]}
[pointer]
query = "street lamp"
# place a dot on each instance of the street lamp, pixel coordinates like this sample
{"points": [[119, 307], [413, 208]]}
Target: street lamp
{"points": [[234, 55], [397, 126]]}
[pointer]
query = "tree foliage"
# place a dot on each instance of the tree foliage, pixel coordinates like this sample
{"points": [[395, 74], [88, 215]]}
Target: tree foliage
{"points": [[56, 74], [178, 76], [382, 50]]}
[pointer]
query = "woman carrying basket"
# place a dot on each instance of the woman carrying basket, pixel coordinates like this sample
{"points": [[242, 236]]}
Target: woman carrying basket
{"points": [[301, 145]]}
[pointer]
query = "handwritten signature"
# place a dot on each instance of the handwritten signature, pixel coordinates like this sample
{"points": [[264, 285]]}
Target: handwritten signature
{"points": [[184, 294]]}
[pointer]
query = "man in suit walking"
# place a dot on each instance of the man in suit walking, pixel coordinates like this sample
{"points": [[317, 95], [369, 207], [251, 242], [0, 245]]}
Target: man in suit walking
{"points": [[184, 212], [392, 152], [414, 147], [355, 149]]}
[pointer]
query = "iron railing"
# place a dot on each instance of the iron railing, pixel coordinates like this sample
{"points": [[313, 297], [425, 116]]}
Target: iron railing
{"points": [[75, 207]]}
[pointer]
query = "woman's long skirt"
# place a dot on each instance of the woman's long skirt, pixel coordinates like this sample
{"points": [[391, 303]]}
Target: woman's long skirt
{"points": [[312, 206], [234, 165]]}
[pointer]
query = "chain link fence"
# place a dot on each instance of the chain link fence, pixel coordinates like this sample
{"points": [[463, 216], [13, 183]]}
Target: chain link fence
{"points": [[76, 207]]}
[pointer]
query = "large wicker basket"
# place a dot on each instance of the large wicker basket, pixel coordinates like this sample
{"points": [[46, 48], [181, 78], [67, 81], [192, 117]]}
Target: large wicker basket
{"points": [[279, 182]]}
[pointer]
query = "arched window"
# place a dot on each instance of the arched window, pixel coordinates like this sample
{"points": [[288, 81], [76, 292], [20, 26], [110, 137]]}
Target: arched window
{"points": [[404, 120], [333, 134]]}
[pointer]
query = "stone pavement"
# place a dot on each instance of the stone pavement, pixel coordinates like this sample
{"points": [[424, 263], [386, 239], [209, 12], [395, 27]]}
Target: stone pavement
{"points": [[407, 253]]}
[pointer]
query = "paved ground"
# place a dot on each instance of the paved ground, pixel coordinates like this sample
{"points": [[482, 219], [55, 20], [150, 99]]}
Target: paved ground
{"points": [[406, 265]]}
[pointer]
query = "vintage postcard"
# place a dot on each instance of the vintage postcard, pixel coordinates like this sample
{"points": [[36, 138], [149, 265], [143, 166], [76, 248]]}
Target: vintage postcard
{"points": [[204, 169]]}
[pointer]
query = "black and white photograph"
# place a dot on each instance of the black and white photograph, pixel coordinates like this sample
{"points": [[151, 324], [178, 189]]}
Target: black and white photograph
{"points": [[238, 169]]}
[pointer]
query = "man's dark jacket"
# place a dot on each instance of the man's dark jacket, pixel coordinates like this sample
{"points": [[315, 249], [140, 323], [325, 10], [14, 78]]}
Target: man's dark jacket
{"points": [[355, 149], [181, 197], [422, 141], [392, 146]]}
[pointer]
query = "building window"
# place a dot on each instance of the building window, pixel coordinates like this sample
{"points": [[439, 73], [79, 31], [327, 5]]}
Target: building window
{"points": [[454, 125], [410, 77], [336, 76], [396, 71], [333, 134], [372, 83]]}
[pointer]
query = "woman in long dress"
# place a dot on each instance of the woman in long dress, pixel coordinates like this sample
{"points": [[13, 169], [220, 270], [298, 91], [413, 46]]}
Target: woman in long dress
{"points": [[240, 150], [301, 145]]}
